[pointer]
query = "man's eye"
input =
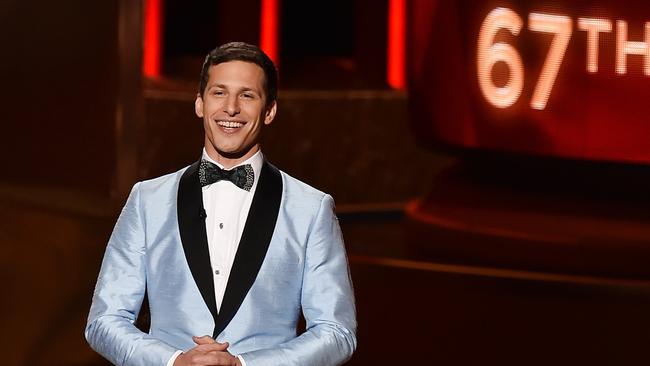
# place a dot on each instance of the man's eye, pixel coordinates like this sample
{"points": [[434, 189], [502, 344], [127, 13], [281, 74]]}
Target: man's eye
{"points": [[247, 95], [217, 92]]}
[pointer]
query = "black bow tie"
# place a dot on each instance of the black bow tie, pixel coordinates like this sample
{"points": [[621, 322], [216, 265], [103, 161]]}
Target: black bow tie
{"points": [[242, 176]]}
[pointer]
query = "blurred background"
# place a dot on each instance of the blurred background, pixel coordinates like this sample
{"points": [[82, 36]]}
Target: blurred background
{"points": [[490, 161]]}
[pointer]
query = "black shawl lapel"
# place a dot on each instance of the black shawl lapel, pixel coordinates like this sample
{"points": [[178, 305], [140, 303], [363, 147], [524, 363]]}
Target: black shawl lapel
{"points": [[191, 225], [253, 245]]}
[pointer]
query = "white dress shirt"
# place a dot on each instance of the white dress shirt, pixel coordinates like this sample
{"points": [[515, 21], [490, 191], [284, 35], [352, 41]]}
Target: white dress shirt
{"points": [[226, 207]]}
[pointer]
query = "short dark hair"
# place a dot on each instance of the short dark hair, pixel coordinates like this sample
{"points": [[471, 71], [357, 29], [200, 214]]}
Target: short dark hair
{"points": [[241, 51]]}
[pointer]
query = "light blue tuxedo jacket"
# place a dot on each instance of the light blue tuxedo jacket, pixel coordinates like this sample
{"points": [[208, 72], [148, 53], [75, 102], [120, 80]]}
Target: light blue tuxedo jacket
{"points": [[291, 258]]}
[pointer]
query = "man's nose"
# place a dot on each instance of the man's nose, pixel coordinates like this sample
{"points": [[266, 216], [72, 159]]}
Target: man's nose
{"points": [[232, 106]]}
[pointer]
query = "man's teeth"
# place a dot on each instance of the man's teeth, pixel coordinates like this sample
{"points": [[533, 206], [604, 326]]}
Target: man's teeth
{"points": [[229, 124]]}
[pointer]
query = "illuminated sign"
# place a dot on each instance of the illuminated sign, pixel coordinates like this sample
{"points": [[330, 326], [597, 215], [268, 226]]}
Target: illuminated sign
{"points": [[560, 26], [566, 79]]}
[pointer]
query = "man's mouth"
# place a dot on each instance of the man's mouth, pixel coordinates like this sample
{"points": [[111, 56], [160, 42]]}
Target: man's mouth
{"points": [[230, 124]]}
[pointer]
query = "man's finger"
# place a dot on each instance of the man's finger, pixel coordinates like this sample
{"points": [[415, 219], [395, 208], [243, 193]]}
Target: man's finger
{"points": [[203, 340], [212, 347], [215, 358]]}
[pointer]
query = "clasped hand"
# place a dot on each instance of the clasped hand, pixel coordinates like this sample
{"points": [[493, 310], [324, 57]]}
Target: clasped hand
{"points": [[208, 352]]}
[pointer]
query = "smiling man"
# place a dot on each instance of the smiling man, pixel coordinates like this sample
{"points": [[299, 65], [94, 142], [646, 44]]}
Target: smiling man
{"points": [[230, 250]]}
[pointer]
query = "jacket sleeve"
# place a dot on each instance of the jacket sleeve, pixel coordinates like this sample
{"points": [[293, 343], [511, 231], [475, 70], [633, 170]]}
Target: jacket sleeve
{"points": [[119, 293], [327, 302]]}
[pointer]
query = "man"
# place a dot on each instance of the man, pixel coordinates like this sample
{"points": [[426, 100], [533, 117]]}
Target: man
{"points": [[230, 250]]}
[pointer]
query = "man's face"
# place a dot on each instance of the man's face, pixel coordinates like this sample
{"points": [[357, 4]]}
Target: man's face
{"points": [[233, 111]]}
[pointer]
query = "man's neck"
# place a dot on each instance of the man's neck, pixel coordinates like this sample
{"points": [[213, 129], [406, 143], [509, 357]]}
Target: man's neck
{"points": [[230, 161]]}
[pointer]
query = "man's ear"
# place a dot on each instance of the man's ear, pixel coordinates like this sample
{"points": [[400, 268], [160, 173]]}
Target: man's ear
{"points": [[270, 112], [198, 106]]}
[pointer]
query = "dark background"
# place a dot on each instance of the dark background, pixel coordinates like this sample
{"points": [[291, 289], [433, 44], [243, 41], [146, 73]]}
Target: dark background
{"points": [[459, 257]]}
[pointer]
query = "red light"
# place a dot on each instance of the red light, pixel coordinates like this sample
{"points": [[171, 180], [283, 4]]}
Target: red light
{"points": [[396, 44], [152, 38], [269, 29]]}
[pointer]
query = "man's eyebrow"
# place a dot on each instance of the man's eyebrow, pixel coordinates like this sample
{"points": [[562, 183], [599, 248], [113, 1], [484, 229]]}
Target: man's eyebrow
{"points": [[247, 89], [242, 89]]}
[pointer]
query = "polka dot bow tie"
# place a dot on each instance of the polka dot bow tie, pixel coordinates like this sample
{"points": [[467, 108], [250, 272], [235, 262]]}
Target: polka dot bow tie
{"points": [[241, 176]]}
